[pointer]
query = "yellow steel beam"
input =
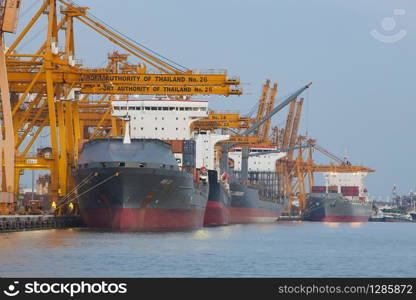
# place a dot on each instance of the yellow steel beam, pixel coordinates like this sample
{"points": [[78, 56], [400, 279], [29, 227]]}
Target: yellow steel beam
{"points": [[63, 163], [34, 163], [27, 28], [100, 123], [77, 130], [27, 91], [27, 112], [69, 126], [35, 136], [162, 90], [88, 77], [6, 144], [242, 139], [270, 105], [19, 140]]}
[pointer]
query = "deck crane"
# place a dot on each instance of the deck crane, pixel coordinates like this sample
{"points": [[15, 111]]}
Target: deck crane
{"points": [[264, 133], [9, 12], [291, 183], [253, 128], [47, 88], [262, 102]]}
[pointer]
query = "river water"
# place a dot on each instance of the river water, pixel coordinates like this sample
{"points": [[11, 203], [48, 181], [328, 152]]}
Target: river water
{"points": [[291, 249]]}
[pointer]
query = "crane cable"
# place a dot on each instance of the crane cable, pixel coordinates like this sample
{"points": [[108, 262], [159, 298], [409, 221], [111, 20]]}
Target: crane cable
{"points": [[82, 183], [90, 189], [134, 41]]}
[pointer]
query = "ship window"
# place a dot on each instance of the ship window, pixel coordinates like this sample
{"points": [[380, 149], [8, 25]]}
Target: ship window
{"points": [[138, 108], [172, 108], [196, 108], [141, 128], [159, 108], [134, 118], [132, 108], [155, 128], [162, 166], [147, 108], [203, 108], [165, 108], [123, 108], [155, 118], [122, 164], [177, 128], [163, 128], [154, 108], [142, 165], [116, 107], [181, 108], [176, 118], [163, 118], [188, 108]]}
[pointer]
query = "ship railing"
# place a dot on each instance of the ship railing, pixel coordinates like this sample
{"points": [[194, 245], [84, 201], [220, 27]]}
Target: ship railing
{"points": [[209, 71], [225, 111]]}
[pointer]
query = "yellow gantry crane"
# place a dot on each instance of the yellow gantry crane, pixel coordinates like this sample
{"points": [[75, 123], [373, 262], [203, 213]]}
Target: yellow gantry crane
{"points": [[9, 11], [49, 89]]}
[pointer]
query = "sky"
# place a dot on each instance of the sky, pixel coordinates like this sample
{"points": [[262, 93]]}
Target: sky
{"points": [[359, 54]]}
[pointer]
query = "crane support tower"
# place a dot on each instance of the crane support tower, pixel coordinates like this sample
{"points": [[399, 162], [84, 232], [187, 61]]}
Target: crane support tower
{"points": [[50, 91]]}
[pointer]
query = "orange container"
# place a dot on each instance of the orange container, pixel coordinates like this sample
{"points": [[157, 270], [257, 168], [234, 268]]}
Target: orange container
{"points": [[177, 145]]}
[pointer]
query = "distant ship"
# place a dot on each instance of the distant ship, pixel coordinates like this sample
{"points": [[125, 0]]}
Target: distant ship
{"points": [[343, 199], [232, 201]]}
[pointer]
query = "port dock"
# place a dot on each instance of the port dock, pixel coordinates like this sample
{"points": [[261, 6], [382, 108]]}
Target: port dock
{"points": [[10, 223]]}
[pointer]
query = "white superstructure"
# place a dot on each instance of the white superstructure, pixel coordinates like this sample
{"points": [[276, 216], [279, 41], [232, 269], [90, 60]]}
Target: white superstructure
{"points": [[170, 120], [345, 179], [160, 119], [205, 148], [260, 163]]}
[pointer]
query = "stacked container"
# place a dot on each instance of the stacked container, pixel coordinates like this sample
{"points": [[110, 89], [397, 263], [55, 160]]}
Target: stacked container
{"points": [[188, 153], [319, 189], [350, 190]]}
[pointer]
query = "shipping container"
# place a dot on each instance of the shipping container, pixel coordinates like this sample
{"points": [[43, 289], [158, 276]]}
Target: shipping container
{"points": [[333, 189], [177, 145], [188, 160], [350, 190], [318, 189], [189, 146]]}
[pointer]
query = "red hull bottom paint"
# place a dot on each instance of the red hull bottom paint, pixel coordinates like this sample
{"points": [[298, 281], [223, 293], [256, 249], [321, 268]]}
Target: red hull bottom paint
{"points": [[216, 214], [340, 219], [136, 219], [239, 215]]}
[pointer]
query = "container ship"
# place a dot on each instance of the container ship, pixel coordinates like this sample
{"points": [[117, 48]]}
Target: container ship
{"points": [[148, 180], [256, 200], [343, 199], [246, 191]]}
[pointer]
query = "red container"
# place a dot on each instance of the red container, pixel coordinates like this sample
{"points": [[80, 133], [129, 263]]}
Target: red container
{"points": [[350, 190], [177, 145], [318, 189]]}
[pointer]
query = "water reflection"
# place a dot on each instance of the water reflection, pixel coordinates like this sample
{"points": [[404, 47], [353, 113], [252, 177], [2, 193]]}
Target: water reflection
{"points": [[355, 224], [331, 224]]}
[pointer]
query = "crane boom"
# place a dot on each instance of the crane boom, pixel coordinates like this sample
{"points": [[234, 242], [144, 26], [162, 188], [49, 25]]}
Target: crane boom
{"points": [[276, 109], [266, 127]]}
